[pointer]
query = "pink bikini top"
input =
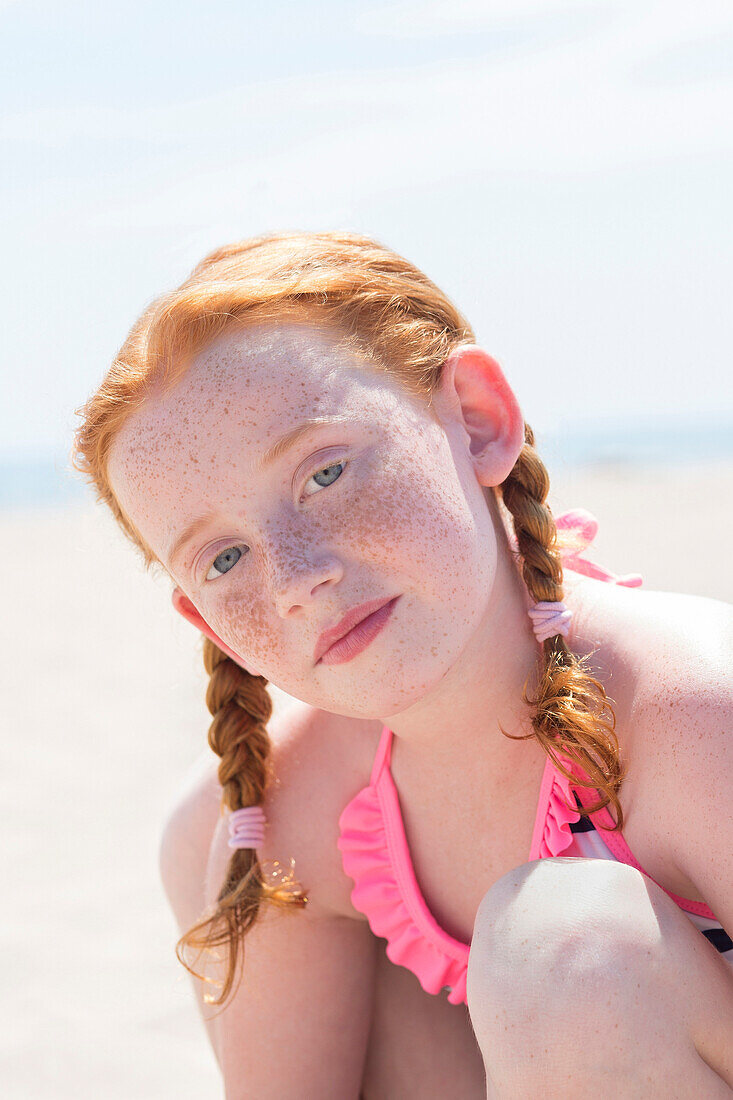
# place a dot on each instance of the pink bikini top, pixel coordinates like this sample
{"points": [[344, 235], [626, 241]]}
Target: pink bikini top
{"points": [[376, 856]]}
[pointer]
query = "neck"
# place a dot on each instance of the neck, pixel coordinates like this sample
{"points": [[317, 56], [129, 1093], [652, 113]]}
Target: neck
{"points": [[456, 729]]}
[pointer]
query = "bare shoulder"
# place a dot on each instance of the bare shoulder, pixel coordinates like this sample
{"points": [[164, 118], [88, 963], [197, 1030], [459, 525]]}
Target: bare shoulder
{"points": [[319, 762], [681, 760], [684, 694], [681, 649], [667, 660], [665, 657]]}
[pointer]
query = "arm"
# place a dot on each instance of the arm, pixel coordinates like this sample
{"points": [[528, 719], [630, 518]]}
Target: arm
{"points": [[298, 1024], [690, 749], [704, 846], [304, 1005]]}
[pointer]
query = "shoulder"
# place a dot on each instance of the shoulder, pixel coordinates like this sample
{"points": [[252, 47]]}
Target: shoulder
{"points": [[684, 745], [319, 762], [681, 733], [665, 661], [667, 658]]}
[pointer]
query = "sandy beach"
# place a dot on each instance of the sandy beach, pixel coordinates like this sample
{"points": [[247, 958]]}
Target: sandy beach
{"points": [[104, 715]]}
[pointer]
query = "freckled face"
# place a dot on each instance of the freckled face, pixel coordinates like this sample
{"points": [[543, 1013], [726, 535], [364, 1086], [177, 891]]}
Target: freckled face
{"points": [[383, 503]]}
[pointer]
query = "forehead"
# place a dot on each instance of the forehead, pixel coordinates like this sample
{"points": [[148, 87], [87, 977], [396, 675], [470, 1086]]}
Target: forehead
{"points": [[279, 365], [257, 382], [239, 394]]}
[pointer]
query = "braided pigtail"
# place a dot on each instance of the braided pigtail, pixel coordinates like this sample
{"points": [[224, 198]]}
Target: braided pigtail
{"points": [[573, 720], [241, 706]]}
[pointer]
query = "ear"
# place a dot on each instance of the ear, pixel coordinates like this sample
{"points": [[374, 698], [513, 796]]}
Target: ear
{"points": [[474, 391], [184, 607]]}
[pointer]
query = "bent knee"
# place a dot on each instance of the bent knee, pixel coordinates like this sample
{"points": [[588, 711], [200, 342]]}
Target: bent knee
{"points": [[600, 948], [558, 926], [185, 842], [563, 893]]}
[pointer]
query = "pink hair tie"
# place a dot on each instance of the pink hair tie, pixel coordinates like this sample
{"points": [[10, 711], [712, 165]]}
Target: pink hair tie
{"points": [[549, 620], [247, 827]]}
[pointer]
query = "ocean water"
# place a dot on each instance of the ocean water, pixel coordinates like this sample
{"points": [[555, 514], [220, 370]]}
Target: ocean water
{"points": [[627, 443], [31, 481], [46, 479]]}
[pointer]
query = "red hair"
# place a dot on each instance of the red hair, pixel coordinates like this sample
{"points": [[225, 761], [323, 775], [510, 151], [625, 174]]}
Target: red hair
{"points": [[393, 314]]}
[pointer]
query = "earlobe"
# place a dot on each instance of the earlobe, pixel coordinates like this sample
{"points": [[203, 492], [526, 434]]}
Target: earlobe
{"points": [[185, 607], [488, 409]]}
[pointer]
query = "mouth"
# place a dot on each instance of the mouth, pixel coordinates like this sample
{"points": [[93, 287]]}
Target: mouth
{"points": [[354, 632]]}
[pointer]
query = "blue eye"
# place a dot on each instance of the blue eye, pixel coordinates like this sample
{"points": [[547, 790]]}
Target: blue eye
{"points": [[223, 562], [330, 474], [229, 557]]}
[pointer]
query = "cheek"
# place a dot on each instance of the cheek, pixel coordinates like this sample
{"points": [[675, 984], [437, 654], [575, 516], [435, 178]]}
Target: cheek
{"points": [[412, 527], [421, 524], [246, 623]]}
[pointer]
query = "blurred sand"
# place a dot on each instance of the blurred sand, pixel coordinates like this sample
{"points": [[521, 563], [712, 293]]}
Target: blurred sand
{"points": [[103, 717]]}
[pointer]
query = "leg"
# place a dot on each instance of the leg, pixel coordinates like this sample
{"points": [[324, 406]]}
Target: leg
{"points": [[584, 975], [420, 1046]]}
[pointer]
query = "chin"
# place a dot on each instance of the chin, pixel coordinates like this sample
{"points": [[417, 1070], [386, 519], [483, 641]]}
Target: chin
{"points": [[389, 699], [417, 694]]}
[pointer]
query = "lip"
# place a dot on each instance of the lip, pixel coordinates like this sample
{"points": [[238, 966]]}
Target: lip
{"points": [[347, 623]]}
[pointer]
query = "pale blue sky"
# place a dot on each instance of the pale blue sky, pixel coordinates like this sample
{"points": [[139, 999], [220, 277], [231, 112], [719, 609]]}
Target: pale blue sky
{"points": [[563, 169]]}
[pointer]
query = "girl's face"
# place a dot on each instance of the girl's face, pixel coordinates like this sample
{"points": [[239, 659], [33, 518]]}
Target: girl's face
{"points": [[380, 501]]}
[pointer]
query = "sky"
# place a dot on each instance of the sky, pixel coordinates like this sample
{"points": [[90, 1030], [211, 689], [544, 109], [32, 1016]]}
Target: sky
{"points": [[563, 170]]}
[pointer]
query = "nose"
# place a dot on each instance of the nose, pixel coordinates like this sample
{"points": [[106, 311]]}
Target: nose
{"points": [[296, 578]]}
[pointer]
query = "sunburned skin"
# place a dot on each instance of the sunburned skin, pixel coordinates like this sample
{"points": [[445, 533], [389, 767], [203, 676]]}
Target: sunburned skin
{"points": [[400, 506]]}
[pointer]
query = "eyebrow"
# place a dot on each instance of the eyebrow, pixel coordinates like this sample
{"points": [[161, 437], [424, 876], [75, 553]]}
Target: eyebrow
{"points": [[275, 452]]}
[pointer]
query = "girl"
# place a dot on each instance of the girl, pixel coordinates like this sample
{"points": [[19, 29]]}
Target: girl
{"points": [[343, 491]]}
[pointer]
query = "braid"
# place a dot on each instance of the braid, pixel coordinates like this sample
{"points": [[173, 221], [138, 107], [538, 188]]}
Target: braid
{"points": [[573, 716], [241, 706]]}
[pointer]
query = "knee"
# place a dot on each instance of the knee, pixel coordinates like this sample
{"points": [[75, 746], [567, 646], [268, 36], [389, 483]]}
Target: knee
{"points": [[551, 936]]}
